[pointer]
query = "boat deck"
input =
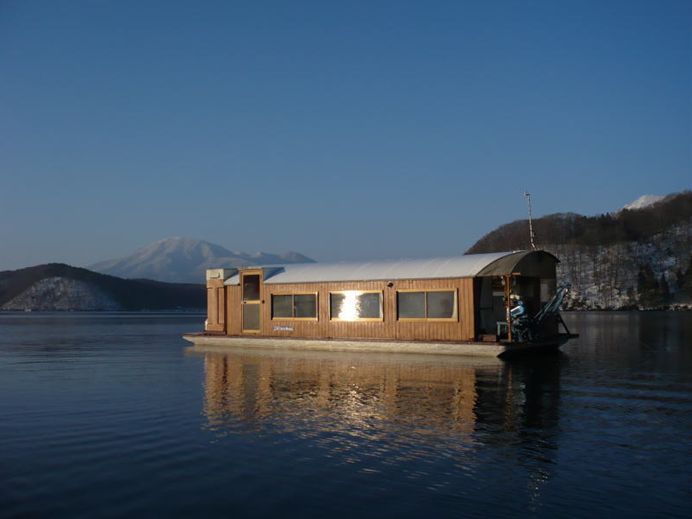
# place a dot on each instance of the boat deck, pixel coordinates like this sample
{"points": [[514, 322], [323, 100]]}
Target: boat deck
{"points": [[490, 349]]}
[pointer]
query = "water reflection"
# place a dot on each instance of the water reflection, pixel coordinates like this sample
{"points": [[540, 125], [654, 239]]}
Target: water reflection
{"points": [[393, 407], [359, 390]]}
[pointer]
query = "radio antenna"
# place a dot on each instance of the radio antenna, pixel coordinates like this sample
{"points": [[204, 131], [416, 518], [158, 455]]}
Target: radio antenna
{"points": [[527, 195]]}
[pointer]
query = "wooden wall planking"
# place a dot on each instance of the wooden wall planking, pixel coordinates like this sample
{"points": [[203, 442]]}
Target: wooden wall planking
{"points": [[215, 306], [233, 310], [462, 329]]}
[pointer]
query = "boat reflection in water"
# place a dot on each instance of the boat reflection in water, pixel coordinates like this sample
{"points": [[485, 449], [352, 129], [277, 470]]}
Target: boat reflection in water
{"points": [[377, 409], [341, 390]]}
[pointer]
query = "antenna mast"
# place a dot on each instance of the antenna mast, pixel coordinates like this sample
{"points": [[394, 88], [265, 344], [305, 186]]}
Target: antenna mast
{"points": [[527, 195]]}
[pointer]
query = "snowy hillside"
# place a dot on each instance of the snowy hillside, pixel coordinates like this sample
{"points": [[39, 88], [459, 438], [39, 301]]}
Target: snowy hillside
{"points": [[634, 274], [60, 287], [63, 294], [640, 257]]}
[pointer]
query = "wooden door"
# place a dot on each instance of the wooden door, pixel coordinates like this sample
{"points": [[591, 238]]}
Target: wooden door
{"points": [[251, 302]]}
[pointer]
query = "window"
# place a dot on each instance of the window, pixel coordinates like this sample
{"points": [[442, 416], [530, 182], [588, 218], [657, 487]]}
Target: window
{"points": [[411, 305], [294, 306], [355, 305], [432, 304], [251, 287]]}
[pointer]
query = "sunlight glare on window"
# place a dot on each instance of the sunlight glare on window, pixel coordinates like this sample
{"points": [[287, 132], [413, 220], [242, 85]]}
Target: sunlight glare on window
{"points": [[350, 306]]}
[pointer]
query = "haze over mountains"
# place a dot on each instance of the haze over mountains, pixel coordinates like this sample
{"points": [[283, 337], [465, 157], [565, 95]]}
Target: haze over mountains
{"points": [[184, 260]]}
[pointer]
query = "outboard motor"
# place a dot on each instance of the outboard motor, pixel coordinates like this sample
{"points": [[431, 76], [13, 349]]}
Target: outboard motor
{"points": [[552, 307]]}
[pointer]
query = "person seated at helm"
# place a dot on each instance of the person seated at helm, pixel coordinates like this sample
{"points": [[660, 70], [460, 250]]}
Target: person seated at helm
{"points": [[518, 310]]}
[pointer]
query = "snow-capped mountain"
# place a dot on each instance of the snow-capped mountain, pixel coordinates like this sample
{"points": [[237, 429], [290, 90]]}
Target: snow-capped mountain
{"points": [[184, 260], [644, 201]]}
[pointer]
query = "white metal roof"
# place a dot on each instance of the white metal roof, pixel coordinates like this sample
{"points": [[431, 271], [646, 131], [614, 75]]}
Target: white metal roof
{"points": [[432, 268]]}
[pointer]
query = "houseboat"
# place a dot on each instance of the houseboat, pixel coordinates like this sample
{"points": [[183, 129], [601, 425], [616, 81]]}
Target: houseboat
{"points": [[476, 304]]}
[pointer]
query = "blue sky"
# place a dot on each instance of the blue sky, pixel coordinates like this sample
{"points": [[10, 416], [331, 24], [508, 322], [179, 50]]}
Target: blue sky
{"points": [[343, 130]]}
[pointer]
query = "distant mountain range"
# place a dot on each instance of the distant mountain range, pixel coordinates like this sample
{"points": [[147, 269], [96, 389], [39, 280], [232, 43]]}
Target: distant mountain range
{"points": [[184, 260], [166, 275], [637, 257], [56, 286]]}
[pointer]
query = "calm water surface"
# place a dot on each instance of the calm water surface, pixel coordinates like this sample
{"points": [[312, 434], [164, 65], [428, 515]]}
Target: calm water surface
{"points": [[110, 415]]}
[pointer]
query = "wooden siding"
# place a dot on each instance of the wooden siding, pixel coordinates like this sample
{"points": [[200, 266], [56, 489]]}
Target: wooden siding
{"points": [[463, 329], [216, 305]]}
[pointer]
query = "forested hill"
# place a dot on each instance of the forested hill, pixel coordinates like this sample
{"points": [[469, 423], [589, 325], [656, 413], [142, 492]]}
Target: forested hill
{"points": [[56, 286], [631, 258], [637, 225]]}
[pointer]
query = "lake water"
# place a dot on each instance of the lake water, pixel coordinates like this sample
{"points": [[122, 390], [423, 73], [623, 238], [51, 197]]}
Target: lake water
{"points": [[111, 415]]}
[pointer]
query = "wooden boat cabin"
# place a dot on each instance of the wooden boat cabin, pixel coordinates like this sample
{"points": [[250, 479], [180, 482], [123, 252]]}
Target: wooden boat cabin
{"points": [[459, 299]]}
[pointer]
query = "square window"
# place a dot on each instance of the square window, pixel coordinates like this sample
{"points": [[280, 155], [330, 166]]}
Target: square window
{"points": [[282, 306], [354, 305], [305, 306], [440, 305], [411, 305]]}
